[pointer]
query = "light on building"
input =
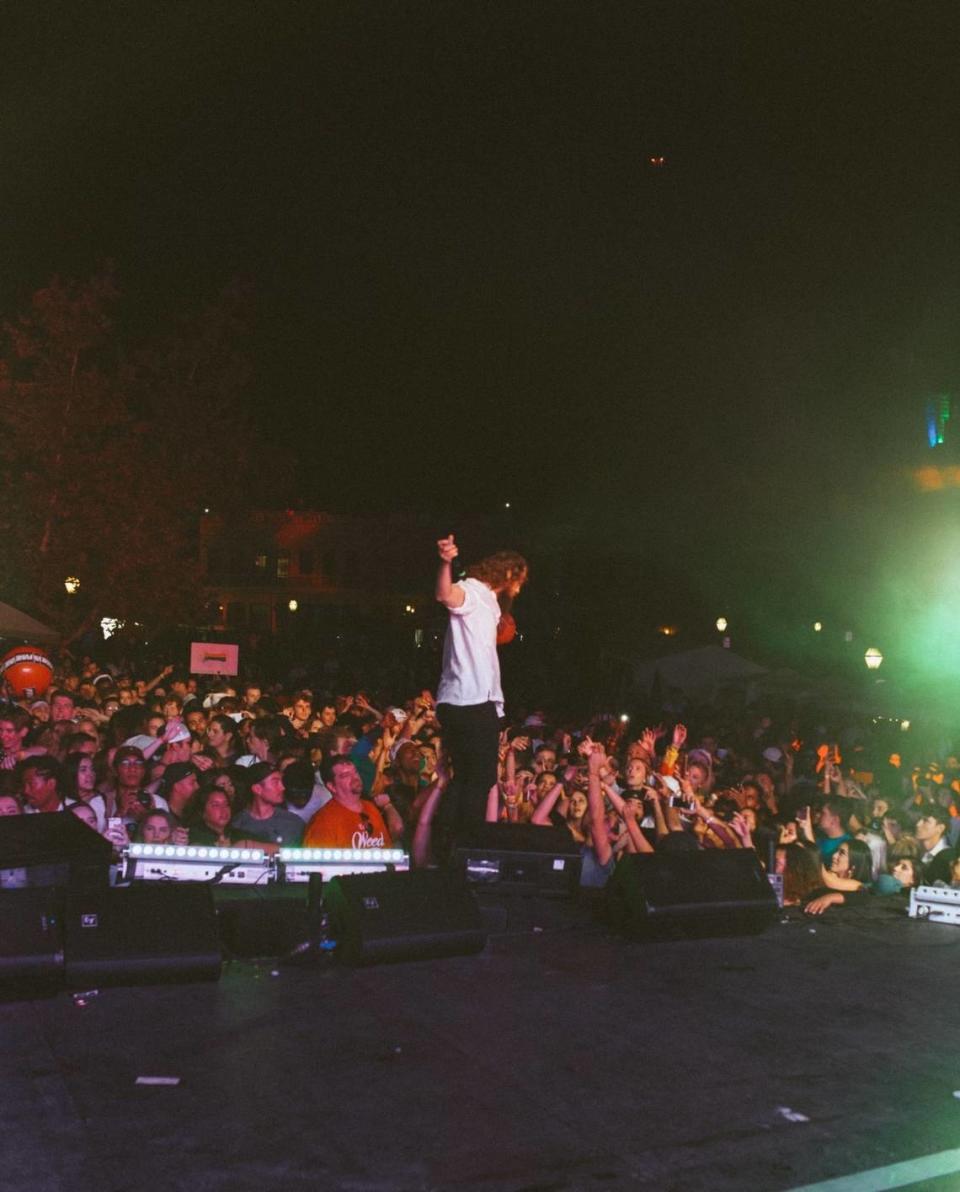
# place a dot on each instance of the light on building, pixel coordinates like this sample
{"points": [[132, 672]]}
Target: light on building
{"points": [[72, 585], [817, 626], [873, 658], [293, 605]]}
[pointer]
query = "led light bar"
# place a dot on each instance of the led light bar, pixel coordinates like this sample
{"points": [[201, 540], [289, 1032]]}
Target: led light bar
{"points": [[196, 852], [339, 856], [197, 863], [300, 864]]}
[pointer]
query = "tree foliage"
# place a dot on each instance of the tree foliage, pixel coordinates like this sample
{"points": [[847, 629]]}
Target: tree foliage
{"points": [[110, 452]]}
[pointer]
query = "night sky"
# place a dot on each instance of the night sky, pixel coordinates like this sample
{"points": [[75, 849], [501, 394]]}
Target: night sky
{"points": [[471, 284]]}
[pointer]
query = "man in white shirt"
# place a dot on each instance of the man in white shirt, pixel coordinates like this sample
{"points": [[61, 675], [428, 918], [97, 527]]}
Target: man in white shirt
{"points": [[469, 697]]}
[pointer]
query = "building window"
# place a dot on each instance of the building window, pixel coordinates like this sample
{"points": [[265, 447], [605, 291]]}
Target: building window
{"points": [[260, 562], [283, 566]]}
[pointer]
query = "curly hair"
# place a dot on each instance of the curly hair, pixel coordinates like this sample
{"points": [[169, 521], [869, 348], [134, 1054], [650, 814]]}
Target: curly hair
{"points": [[498, 569]]}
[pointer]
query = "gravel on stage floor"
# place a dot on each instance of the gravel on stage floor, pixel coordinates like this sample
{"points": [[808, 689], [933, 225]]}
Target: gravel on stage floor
{"points": [[559, 1058]]}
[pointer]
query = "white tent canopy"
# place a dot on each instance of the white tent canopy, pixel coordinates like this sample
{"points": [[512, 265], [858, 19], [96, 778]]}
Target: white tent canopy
{"points": [[15, 624], [701, 673]]}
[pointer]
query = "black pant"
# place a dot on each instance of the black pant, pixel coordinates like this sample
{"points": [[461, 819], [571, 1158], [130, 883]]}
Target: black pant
{"points": [[471, 736]]}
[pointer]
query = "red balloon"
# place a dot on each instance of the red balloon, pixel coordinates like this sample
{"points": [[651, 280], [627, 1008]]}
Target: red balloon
{"points": [[27, 670], [506, 629]]}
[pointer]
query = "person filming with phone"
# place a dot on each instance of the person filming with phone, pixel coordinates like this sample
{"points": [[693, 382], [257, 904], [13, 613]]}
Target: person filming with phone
{"points": [[469, 697]]}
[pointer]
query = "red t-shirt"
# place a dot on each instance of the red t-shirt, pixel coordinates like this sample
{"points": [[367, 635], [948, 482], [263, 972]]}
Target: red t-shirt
{"points": [[336, 826]]}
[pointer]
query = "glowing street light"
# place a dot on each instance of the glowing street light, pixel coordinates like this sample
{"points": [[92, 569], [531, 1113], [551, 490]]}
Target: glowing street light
{"points": [[817, 626], [293, 605], [873, 658], [721, 624], [72, 585]]}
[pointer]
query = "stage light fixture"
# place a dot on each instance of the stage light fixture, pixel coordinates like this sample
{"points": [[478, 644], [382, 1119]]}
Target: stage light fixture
{"points": [[188, 852]]}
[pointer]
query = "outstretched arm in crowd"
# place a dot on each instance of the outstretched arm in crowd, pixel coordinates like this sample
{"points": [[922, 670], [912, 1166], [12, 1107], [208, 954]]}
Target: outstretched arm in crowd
{"points": [[624, 808], [723, 832], [596, 760], [541, 814], [380, 755], [391, 816], [672, 753], [493, 803], [167, 670], [420, 852]]}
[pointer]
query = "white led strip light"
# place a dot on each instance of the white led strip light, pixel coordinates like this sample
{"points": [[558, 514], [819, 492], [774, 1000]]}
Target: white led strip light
{"points": [[190, 852], [337, 856]]}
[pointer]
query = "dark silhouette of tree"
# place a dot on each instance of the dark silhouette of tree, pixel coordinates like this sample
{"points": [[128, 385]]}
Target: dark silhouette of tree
{"points": [[110, 453]]}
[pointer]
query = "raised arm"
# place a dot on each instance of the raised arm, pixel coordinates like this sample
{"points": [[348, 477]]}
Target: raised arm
{"points": [[598, 821], [447, 592], [542, 813], [628, 814], [423, 833]]}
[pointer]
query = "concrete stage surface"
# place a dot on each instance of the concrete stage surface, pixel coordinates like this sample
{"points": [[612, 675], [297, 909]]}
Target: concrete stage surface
{"points": [[560, 1058]]}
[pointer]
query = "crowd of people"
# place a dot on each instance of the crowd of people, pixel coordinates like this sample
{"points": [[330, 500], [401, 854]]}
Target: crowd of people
{"points": [[163, 760]]}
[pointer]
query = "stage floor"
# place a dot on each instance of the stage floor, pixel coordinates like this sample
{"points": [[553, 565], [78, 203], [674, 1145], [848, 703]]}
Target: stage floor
{"points": [[560, 1058]]}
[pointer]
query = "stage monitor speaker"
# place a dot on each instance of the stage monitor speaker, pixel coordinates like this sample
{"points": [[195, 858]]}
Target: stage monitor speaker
{"points": [[426, 913], [260, 925], [520, 859], [693, 894], [141, 935], [31, 942], [54, 849]]}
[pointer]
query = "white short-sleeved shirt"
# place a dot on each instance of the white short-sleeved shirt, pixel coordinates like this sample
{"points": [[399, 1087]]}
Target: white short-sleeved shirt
{"points": [[471, 668]]}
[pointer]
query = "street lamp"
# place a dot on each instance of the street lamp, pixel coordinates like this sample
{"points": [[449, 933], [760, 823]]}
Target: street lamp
{"points": [[293, 605], [873, 658], [721, 624], [72, 584], [817, 626]]}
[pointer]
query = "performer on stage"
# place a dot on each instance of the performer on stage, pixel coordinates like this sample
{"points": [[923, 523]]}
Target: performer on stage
{"points": [[469, 698]]}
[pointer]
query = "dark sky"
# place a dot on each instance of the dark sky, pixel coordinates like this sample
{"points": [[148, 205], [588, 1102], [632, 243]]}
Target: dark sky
{"points": [[472, 286]]}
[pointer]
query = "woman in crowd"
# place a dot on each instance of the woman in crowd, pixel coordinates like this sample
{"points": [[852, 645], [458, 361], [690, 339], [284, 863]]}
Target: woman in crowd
{"points": [[156, 827], [848, 876], [223, 739], [209, 817], [80, 783]]}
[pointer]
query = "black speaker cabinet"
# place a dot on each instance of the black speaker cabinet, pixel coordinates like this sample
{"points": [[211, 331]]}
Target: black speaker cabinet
{"points": [[377, 917], [520, 859], [693, 894], [252, 924], [31, 942], [141, 935], [54, 849]]}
